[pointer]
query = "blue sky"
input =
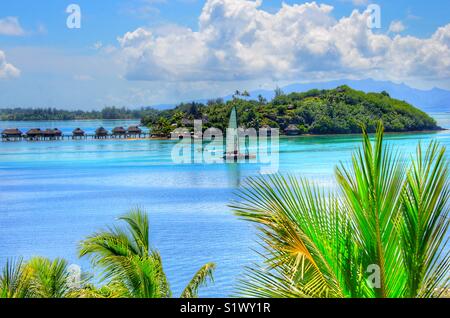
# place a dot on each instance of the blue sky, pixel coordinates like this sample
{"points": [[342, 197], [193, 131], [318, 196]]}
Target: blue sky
{"points": [[144, 52]]}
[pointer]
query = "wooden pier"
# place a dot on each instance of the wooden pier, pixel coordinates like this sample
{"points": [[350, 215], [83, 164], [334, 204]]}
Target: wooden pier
{"points": [[36, 134]]}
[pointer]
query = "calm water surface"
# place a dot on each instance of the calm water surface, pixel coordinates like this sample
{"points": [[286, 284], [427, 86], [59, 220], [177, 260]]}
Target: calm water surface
{"points": [[53, 194]]}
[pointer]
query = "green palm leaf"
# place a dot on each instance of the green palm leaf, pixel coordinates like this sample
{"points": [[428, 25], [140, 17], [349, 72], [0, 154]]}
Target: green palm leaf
{"points": [[425, 211], [201, 278], [129, 262], [386, 216], [49, 279], [15, 280]]}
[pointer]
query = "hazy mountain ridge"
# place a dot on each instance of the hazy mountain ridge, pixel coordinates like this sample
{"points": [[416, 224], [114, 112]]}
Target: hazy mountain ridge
{"points": [[434, 100]]}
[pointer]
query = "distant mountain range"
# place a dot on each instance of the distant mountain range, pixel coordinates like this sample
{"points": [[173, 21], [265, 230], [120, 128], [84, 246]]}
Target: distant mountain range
{"points": [[434, 100]]}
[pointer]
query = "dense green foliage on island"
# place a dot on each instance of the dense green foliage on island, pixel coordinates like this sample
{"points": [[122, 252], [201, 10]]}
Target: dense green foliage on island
{"points": [[337, 111], [27, 114]]}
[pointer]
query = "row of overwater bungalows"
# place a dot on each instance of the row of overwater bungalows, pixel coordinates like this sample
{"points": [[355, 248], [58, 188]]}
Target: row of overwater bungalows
{"points": [[13, 134]]}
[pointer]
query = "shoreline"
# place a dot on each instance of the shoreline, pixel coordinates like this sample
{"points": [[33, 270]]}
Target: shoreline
{"points": [[283, 136], [47, 120]]}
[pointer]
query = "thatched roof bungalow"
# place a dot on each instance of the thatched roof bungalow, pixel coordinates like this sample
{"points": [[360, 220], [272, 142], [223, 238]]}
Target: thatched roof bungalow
{"points": [[11, 133], [292, 130], [119, 131], [134, 130], [101, 132], [52, 132], [34, 132], [78, 132], [57, 132]]}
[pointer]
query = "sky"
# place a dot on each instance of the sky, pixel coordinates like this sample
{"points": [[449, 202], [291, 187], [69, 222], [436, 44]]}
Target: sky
{"points": [[148, 52]]}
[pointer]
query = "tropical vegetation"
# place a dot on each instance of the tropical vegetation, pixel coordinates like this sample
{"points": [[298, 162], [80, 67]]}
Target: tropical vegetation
{"points": [[29, 114], [337, 111], [382, 233], [130, 268]]}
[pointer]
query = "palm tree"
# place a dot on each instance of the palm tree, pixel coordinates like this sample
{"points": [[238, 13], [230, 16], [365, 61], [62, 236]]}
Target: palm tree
{"points": [[49, 279], [131, 265], [382, 234], [15, 280], [37, 278]]}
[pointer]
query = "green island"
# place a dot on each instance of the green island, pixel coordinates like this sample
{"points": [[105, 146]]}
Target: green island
{"points": [[337, 111]]}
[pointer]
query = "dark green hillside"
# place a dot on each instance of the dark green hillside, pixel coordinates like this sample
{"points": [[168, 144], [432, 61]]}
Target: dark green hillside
{"points": [[338, 111]]}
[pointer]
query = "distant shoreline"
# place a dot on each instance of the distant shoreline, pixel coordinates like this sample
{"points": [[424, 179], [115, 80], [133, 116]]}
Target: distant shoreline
{"points": [[283, 136], [46, 120], [137, 118]]}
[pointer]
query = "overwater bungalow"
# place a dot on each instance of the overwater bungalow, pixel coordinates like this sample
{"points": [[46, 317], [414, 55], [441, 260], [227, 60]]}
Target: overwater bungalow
{"points": [[34, 134], [52, 134], [292, 130], [134, 131], [11, 134], [58, 133], [101, 133], [78, 134], [119, 132]]}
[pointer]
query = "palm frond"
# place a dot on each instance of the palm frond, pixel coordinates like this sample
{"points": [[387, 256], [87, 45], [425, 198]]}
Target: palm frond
{"points": [[299, 231], [426, 222], [138, 226], [372, 188], [201, 278], [110, 290], [15, 280], [318, 244], [127, 259], [49, 279]]}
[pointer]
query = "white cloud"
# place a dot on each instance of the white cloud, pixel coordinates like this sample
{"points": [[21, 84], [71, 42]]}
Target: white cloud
{"points": [[237, 40], [396, 27], [7, 70], [11, 26]]}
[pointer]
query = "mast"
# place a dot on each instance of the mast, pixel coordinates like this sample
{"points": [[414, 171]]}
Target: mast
{"points": [[233, 129]]}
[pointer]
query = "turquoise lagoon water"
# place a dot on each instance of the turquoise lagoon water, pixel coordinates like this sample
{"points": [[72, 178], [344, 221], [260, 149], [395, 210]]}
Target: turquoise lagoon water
{"points": [[53, 194]]}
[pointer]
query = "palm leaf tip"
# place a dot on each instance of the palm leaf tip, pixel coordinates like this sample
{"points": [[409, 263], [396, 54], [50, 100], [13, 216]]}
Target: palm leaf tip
{"points": [[204, 276]]}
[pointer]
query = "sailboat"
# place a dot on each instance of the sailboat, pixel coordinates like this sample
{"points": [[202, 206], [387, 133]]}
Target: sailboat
{"points": [[233, 151]]}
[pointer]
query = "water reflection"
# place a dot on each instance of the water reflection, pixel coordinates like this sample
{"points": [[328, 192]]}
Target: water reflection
{"points": [[234, 174]]}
